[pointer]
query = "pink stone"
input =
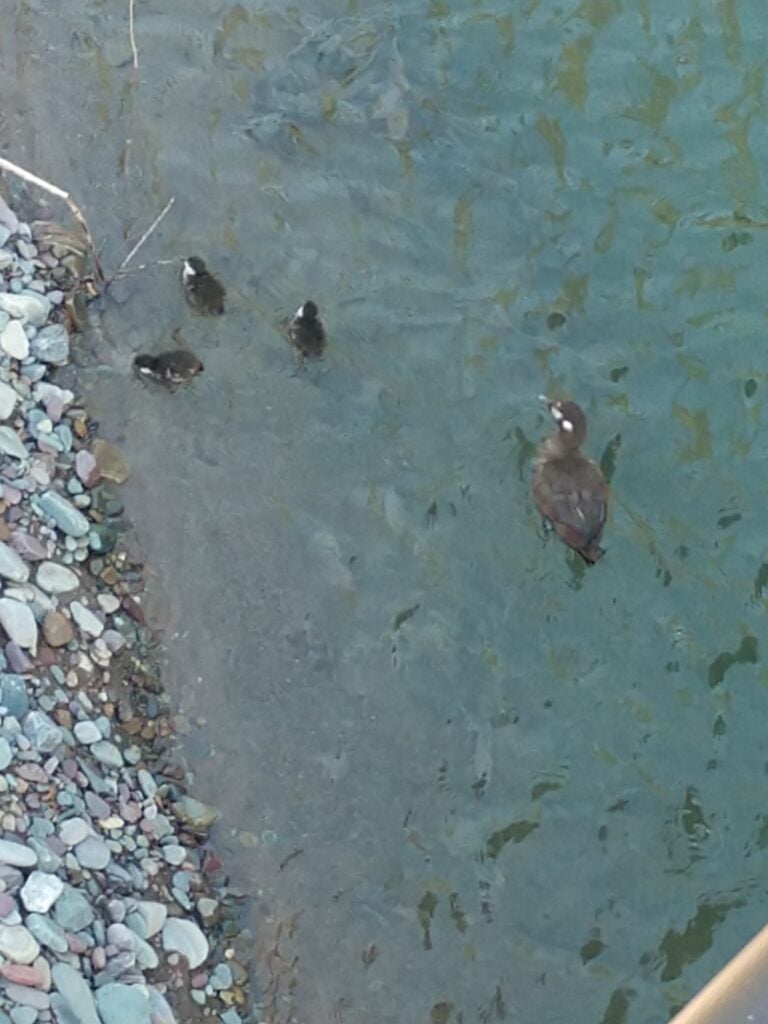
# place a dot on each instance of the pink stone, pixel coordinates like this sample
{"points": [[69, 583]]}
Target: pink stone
{"points": [[75, 943], [21, 975], [199, 980], [99, 958], [11, 495], [130, 812], [28, 547], [7, 904], [87, 468], [32, 773], [43, 968], [70, 767], [17, 659]]}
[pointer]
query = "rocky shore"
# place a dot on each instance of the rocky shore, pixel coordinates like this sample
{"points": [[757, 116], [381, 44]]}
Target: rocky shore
{"points": [[112, 908]]}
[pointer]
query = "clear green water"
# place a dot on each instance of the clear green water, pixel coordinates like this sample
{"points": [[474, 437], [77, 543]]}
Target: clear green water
{"points": [[542, 796]]}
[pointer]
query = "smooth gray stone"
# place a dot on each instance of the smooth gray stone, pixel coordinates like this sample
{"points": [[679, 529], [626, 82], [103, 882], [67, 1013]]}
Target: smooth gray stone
{"points": [[122, 1004], [76, 992]]}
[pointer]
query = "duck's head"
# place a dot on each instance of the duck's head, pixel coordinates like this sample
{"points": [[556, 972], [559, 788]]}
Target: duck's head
{"points": [[308, 311], [193, 265], [570, 419]]}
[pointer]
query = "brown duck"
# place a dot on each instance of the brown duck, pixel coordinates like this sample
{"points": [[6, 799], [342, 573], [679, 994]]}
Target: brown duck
{"points": [[569, 489], [204, 292], [169, 368], [307, 331]]}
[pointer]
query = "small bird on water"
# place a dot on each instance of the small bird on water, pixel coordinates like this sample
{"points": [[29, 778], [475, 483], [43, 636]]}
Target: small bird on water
{"points": [[204, 292], [169, 368], [569, 489], [307, 332]]}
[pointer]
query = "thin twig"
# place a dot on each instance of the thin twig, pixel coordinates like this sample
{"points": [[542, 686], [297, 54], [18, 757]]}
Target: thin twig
{"points": [[143, 266], [133, 42], [144, 237], [54, 190]]}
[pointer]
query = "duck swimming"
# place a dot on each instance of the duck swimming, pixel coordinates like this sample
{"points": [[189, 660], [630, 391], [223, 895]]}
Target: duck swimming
{"points": [[204, 292], [169, 368], [307, 332], [569, 489]]}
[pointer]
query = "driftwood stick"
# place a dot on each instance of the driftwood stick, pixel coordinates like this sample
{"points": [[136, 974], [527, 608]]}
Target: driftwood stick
{"points": [[133, 42], [54, 190], [144, 266], [143, 238]]}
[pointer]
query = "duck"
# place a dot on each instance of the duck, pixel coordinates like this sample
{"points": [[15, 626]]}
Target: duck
{"points": [[204, 292], [307, 332], [569, 489], [169, 368]]}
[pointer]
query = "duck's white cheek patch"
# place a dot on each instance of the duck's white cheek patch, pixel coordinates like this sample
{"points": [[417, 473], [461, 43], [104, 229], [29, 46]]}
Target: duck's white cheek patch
{"points": [[566, 425], [557, 414], [188, 271]]}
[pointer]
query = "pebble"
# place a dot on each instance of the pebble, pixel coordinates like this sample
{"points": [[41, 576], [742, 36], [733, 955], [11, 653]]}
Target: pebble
{"points": [[51, 345], [28, 547], [19, 623], [6, 754], [16, 854], [27, 307], [64, 514], [184, 937], [8, 398], [86, 620], [154, 914], [58, 630], [107, 753], [87, 468], [73, 831], [87, 732], [122, 1004], [13, 694], [72, 910], [221, 977], [13, 341], [22, 995], [93, 854], [12, 445], [175, 855], [18, 944], [56, 579], [40, 892], [41, 731], [76, 995], [110, 461], [195, 812], [12, 566], [47, 933], [24, 1015]]}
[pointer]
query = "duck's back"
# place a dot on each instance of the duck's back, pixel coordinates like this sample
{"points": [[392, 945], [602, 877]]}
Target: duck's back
{"points": [[571, 493]]}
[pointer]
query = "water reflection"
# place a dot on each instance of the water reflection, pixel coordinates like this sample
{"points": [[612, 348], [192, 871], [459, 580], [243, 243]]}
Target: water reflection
{"points": [[466, 779]]}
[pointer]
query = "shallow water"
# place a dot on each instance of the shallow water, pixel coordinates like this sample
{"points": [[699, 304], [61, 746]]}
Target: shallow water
{"points": [[467, 780]]}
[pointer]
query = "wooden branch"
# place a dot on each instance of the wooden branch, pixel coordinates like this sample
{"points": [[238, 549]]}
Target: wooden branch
{"points": [[54, 190]]}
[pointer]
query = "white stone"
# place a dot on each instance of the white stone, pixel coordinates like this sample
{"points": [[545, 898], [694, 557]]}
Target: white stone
{"points": [[17, 855], [73, 831], [108, 603], [184, 937], [154, 914], [19, 623], [28, 307], [11, 444], [12, 565], [40, 892], [87, 733], [56, 579], [8, 399], [13, 340], [85, 619], [18, 944]]}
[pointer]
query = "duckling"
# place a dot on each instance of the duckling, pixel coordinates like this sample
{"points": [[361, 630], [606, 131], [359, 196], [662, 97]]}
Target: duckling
{"points": [[204, 292], [569, 489], [307, 332], [169, 368]]}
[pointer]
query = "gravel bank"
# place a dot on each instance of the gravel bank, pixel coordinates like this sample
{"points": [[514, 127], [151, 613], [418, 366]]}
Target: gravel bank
{"points": [[112, 908]]}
